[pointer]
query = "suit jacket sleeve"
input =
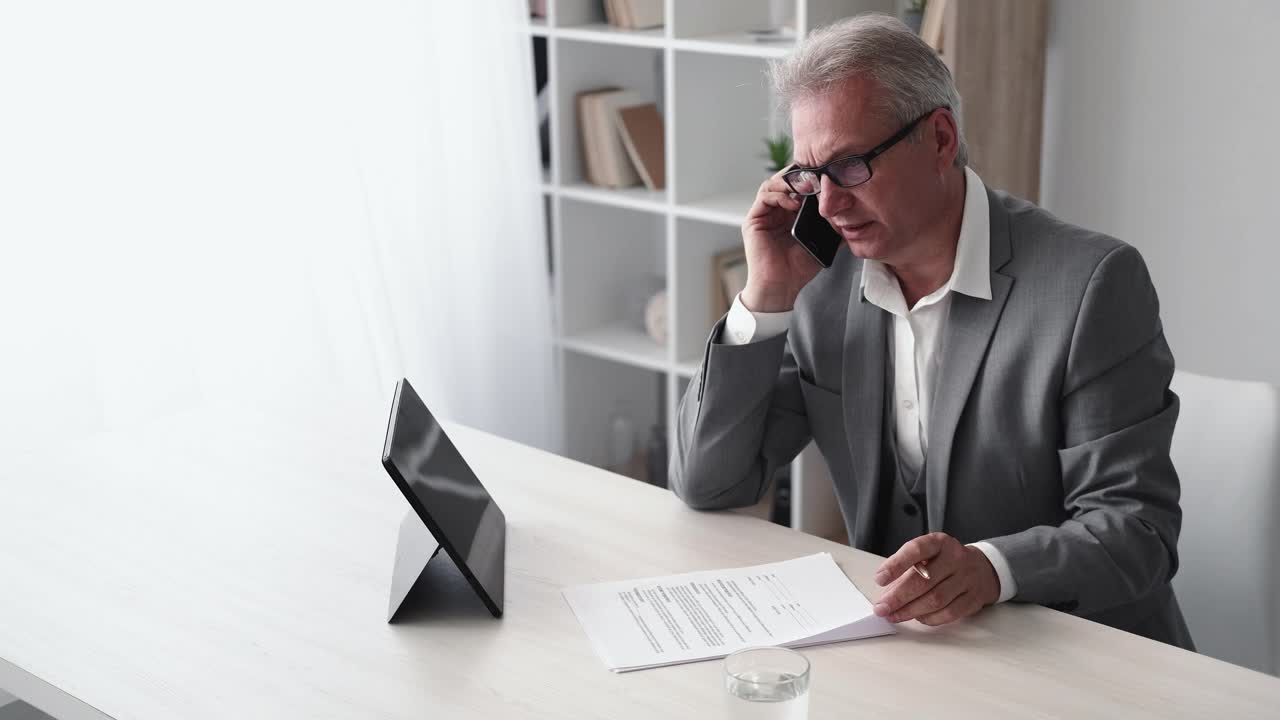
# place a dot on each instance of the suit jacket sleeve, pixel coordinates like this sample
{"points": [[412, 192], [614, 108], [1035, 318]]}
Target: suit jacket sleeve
{"points": [[1119, 485], [741, 418]]}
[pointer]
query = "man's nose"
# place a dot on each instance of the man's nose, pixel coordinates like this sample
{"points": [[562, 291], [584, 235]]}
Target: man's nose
{"points": [[832, 199]]}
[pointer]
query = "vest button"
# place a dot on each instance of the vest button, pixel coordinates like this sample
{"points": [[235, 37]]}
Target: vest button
{"points": [[910, 510]]}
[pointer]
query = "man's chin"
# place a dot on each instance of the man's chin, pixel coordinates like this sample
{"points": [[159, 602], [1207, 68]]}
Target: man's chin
{"points": [[868, 249]]}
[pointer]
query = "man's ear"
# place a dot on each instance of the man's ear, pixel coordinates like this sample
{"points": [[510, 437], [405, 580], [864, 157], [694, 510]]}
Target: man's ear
{"points": [[945, 140]]}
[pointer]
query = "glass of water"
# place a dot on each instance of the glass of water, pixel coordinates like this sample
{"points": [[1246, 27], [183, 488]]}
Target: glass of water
{"points": [[767, 683]]}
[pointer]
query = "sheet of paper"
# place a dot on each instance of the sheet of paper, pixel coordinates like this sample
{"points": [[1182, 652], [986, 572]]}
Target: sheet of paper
{"points": [[636, 624]]}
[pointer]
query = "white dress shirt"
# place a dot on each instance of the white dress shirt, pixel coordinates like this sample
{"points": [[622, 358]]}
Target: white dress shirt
{"points": [[917, 332]]}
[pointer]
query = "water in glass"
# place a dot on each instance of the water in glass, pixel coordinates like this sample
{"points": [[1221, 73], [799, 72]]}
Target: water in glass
{"points": [[767, 695]]}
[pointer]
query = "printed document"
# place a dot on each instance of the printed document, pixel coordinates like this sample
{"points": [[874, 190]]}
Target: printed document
{"points": [[637, 624]]}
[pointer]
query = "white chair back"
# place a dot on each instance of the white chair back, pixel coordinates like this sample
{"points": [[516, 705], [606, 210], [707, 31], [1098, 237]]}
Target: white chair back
{"points": [[1226, 449]]}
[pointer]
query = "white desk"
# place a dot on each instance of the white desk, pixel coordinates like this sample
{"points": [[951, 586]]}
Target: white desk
{"points": [[218, 569]]}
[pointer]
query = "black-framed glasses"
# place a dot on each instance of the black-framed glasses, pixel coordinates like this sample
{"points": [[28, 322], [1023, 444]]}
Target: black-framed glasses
{"points": [[849, 171]]}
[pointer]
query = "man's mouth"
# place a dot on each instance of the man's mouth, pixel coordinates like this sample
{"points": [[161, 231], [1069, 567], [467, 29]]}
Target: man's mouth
{"points": [[852, 230]]}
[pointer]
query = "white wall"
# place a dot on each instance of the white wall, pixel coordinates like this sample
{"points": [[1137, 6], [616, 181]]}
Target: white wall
{"points": [[1161, 122]]}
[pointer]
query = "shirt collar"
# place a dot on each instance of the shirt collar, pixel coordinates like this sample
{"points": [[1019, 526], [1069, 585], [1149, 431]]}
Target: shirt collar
{"points": [[971, 274]]}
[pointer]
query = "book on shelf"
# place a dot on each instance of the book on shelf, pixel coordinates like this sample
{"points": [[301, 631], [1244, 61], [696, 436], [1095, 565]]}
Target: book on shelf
{"points": [[640, 127], [634, 14], [728, 278], [604, 156]]}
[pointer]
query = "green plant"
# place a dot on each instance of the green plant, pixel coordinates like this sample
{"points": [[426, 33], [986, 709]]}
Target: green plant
{"points": [[917, 6], [779, 153]]}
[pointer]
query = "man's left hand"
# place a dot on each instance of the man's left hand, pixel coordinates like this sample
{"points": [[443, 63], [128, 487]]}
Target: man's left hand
{"points": [[961, 581]]}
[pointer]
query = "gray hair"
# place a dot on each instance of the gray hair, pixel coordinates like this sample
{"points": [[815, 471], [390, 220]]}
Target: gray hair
{"points": [[912, 75]]}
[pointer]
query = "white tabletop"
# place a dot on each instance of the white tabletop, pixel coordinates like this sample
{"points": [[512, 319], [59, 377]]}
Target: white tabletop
{"points": [[220, 565]]}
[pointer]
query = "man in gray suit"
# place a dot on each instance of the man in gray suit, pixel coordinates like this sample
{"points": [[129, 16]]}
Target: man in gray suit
{"points": [[989, 385]]}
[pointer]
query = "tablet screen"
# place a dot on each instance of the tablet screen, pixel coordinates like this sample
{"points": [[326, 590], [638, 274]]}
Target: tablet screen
{"points": [[446, 494]]}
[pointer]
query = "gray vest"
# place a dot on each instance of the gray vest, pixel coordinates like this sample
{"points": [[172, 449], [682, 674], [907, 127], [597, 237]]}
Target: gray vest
{"points": [[902, 515]]}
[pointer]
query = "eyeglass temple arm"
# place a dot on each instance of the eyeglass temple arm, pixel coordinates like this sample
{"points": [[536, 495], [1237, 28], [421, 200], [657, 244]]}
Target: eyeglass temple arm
{"points": [[901, 134]]}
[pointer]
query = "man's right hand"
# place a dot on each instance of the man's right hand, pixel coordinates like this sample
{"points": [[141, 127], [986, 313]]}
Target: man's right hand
{"points": [[777, 266]]}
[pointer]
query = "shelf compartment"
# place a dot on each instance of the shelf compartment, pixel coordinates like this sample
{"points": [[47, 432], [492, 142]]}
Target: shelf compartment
{"points": [[585, 65], [612, 260], [599, 390], [694, 19], [824, 12], [723, 113], [697, 244]]}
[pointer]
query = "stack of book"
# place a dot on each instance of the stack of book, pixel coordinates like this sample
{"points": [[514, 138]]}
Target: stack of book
{"points": [[634, 14], [622, 139]]}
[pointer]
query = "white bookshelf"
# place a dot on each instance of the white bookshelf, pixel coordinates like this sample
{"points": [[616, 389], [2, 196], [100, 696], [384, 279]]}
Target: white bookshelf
{"points": [[610, 248]]}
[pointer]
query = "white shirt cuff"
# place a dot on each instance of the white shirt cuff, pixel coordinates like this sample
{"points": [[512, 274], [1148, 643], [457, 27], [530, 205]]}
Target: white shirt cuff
{"points": [[1008, 586], [742, 326]]}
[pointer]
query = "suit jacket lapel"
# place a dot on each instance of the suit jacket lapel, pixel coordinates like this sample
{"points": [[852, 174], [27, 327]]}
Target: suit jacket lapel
{"points": [[966, 337], [863, 387]]}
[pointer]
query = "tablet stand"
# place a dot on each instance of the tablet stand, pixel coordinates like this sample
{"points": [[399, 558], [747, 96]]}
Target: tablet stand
{"points": [[415, 550]]}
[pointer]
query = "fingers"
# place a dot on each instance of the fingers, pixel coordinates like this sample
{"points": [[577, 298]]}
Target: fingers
{"points": [[964, 605], [911, 586], [788, 199], [776, 184], [774, 192], [956, 590], [930, 602], [767, 200], [902, 592], [921, 549]]}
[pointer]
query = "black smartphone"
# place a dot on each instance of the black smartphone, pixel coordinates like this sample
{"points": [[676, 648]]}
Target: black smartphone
{"points": [[815, 234]]}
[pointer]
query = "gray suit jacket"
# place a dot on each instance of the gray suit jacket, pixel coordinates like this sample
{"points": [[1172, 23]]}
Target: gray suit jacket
{"points": [[1050, 427]]}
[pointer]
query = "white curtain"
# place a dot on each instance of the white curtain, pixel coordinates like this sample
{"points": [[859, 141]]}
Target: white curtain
{"points": [[276, 202]]}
